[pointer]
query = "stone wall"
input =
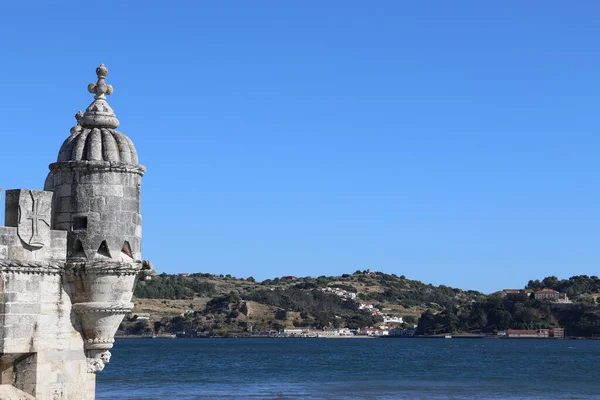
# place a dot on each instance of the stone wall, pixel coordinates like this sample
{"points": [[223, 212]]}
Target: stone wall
{"points": [[99, 204], [42, 351], [41, 347]]}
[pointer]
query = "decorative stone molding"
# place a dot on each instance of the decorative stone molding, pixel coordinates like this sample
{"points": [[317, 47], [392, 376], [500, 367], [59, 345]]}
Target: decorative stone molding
{"points": [[110, 166], [99, 340], [95, 365], [99, 322], [102, 267], [32, 267], [93, 308]]}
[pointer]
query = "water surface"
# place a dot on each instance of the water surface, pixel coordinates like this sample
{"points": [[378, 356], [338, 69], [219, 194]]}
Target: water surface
{"points": [[383, 369]]}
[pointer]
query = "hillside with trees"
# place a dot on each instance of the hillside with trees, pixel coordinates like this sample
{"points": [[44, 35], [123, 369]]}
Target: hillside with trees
{"points": [[222, 305], [574, 286], [496, 313]]}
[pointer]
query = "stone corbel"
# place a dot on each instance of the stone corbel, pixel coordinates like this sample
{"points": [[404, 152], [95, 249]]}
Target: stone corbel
{"points": [[147, 271], [99, 322], [97, 364]]}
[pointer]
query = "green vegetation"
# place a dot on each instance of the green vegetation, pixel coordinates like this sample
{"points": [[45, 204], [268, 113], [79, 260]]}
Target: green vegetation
{"points": [[173, 287], [326, 309], [286, 302], [573, 287], [229, 306], [497, 313]]}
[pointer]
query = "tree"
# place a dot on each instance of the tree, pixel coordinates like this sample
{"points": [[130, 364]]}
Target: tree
{"points": [[587, 299], [550, 282], [278, 327], [281, 315]]}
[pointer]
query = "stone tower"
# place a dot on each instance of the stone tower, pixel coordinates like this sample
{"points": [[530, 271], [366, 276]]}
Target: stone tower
{"points": [[69, 257], [96, 183]]}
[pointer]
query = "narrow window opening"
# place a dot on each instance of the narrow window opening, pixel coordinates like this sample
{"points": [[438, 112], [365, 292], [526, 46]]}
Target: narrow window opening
{"points": [[79, 223]]}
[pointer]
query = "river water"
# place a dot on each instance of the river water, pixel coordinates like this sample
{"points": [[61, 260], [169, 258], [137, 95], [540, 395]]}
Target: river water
{"points": [[187, 369]]}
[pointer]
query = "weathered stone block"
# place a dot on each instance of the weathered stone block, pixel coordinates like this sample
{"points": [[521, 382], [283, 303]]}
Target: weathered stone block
{"points": [[130, 205], [131, 192], [136, 218], [113, 203], [57, 236], [63, 217], [17, 253], [63, 190], [23, 308], [98, 204], [9, 392], [80, 204], [84, 191], [65, 205]]}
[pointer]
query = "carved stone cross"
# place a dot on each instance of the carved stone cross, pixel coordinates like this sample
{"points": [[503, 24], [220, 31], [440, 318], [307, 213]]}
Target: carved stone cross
{"points": [[101, 87], [29, 211], [35, 216]]}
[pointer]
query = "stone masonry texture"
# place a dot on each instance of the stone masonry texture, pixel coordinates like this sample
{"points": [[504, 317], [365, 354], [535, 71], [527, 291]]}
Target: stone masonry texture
{"points": [[69, 257]]}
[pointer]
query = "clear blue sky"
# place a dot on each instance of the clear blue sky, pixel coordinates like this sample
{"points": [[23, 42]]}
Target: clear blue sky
{"points": [[453, 142]]}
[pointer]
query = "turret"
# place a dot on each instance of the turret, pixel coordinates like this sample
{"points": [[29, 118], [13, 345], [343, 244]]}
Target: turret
{"points": [[96, 199], [69, 258], [96, 183]]}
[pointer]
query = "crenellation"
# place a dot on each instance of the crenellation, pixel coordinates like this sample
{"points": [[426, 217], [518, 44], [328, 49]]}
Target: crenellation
{"points": [[69, 257], [11, 210]]}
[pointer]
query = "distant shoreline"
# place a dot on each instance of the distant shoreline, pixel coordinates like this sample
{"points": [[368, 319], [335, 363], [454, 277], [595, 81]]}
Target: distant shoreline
{"points": [[357, 337]]}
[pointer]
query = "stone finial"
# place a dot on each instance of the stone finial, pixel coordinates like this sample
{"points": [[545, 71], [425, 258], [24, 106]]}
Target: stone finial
{"points": [[99, 114], [100, 87], [77, 128]]}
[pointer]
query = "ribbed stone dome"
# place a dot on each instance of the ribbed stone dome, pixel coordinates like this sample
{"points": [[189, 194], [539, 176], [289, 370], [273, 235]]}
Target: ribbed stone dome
{"points": [[98, 144]]}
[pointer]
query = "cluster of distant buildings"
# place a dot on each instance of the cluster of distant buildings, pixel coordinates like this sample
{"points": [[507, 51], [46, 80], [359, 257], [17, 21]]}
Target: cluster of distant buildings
{"points": [[387, 331], [370, 308], [347, 295], [558, 333], [383, 331], [339, 292], [340, 332], [543, 294]]}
